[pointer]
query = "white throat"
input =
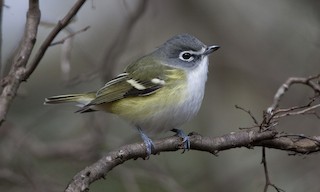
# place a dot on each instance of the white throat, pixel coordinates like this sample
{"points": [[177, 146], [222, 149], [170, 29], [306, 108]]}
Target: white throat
{"points": [[196, 85]]}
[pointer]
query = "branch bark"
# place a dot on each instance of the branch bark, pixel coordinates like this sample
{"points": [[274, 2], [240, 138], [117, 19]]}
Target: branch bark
{"points": [[20, 71], [248, 138], [12, 81], [55, 31]]}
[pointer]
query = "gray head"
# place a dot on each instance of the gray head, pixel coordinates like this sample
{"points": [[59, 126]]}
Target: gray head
{"points": [[184, 51]]}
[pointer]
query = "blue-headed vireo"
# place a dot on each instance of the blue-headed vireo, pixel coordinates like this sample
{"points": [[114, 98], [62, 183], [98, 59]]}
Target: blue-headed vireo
{"points": [[158, 92]]}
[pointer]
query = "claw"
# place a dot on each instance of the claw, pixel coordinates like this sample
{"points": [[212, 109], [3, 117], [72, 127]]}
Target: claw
{"points": [[147, 141], [185, 139]]}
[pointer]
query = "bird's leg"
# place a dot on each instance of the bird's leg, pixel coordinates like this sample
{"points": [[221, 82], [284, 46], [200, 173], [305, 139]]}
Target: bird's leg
{"points": [[147, 141], [185, 139]]}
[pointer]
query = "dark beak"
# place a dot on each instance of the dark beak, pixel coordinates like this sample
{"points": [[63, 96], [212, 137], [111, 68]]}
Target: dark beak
{"points": [[211, 49]]}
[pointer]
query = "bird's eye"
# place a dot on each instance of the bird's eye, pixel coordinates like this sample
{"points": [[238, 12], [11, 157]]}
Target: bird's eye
{"points": [[186, 56]]}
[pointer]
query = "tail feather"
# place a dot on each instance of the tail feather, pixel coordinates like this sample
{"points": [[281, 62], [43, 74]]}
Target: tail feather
{"points": [[80, 99]]}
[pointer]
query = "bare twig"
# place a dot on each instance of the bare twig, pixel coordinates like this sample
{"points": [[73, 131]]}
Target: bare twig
{"points": [[293, 80], [114, 50], [120, 42], [273, 114], [301, 112], [20, 71], [279, 111], [255, 121], [44, 46], [61, 41], [266, 173], [1, 17]]}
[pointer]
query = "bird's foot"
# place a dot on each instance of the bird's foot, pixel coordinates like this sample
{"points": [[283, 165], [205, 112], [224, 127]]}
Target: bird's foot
{"points": [[148, 143], [185, 139]]}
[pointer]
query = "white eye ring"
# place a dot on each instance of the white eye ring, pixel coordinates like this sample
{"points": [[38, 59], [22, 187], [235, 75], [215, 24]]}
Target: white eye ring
{"points": [[186, 56]]}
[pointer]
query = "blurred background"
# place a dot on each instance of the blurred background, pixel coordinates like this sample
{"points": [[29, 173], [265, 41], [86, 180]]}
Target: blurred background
{"points": [[262, 44]]}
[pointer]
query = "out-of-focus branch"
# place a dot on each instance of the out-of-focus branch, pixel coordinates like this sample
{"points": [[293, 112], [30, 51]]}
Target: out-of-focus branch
{"points": [[20, 71], [115, 49], [120, 42], [43, 48], [70, 36], [1, 18], [12, 81]]}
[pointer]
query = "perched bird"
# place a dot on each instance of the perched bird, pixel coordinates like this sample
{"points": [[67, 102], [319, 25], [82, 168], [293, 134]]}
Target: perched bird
{"points": [[158, 92]]}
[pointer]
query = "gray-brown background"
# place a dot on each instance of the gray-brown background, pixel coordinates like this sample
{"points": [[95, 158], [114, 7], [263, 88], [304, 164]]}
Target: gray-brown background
{"points": [[262, 44]]}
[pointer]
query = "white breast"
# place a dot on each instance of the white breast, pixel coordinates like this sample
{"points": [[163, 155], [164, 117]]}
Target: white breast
{"points": [[179, 113], [196, 87]]}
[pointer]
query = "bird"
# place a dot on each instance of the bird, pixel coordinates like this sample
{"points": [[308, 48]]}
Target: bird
{"points": [[158, 92]]}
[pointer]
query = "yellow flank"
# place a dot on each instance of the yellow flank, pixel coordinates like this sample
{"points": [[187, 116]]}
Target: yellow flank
{"points": [[139, 108]]}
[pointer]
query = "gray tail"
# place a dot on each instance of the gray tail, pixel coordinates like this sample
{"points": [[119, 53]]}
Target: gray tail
{"points": [[82, 100]]}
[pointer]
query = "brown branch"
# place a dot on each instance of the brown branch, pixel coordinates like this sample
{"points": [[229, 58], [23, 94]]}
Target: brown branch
{"points": [[302, 145], [293, 80], [20, 71], [55, 31], [247, 138], [99, 170], [12, 81]]}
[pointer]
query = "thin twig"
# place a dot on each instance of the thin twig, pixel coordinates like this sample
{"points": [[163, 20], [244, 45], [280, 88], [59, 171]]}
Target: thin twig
{"points": [[1, 18], [266, 173], [265, 168], [293, 80], [69, 36], [55, 31], [20, 70], [301, 112], [250, 114], [116, 48], [276, 112]]}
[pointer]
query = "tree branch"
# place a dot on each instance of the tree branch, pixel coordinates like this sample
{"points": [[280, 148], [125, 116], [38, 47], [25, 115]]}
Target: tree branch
{"points": [[99, 169], [12, 81], [302, 145], [20, 71], [55, 31]]}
